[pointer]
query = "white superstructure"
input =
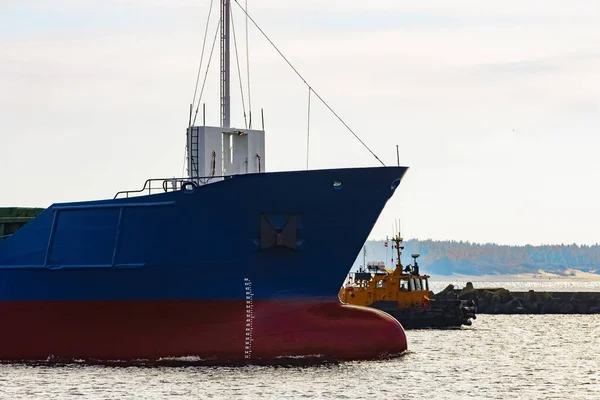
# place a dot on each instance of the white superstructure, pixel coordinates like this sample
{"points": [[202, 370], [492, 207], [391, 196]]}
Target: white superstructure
{"points": [[214, 152]]}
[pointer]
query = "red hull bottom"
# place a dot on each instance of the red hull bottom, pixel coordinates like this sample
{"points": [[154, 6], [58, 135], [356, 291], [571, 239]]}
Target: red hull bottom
{"points": [[203, 332]]}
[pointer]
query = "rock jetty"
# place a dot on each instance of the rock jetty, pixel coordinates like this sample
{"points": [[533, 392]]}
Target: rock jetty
{"points": [[502, 301]]}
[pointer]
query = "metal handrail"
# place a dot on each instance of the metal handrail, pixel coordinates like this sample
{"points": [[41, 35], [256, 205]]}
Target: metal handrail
{"points": [[167, 184]]}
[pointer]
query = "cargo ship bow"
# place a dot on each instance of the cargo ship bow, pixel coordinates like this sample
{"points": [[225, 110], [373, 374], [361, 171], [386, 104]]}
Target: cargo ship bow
{"points": [[230, 264]]}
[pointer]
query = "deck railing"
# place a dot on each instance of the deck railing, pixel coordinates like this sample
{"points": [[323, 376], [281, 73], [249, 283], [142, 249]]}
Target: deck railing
{"points": [[163, 185]]}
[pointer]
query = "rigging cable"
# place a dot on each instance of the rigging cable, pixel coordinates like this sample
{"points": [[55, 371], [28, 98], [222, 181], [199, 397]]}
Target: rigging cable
{"points": [[306, 83], [197, 80], [202, 54], [308, 128], [237, 61], [248, 66], [184, 157], [207, 69]]}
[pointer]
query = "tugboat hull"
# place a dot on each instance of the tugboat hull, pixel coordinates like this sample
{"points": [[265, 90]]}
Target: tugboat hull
{"points": [[439, 314]]}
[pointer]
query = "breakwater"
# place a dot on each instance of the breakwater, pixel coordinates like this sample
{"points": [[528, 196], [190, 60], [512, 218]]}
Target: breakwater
{"points": [[503, 301]]}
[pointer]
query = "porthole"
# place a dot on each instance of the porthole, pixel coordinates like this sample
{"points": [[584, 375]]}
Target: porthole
{"points": [[188, 187]]}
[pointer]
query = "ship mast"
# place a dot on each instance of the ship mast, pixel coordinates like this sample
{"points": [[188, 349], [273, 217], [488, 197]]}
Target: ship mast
{"points": [[397, 239], [225, 98]]}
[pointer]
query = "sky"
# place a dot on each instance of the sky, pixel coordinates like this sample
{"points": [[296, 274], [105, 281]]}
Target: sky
{"points": [[495, 106]]}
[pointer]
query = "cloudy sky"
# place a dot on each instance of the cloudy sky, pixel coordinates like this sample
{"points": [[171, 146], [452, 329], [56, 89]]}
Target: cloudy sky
{"points": [[495, 105]]}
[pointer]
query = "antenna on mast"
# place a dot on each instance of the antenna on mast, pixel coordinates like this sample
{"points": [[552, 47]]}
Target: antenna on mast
{"points": [[365, 256], [248, 66], [225, 97]]}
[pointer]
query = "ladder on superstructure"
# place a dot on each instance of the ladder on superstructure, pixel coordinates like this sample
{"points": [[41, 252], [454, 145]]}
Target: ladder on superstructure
{"points": [[194, 173]]}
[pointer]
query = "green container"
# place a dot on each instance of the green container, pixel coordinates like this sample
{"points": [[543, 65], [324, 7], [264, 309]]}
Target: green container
{"points": [[13, 218]]}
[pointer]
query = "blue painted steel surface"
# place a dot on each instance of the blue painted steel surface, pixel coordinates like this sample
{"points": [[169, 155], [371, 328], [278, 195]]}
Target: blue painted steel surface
{"points": [[200, 245]]}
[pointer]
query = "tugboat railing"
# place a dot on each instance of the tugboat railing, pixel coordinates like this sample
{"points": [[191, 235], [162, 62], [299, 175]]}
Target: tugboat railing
{"points": [[169, 185]]}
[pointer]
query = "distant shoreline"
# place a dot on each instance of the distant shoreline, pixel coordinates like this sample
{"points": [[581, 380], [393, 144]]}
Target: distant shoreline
{"points": [[570, 275]]}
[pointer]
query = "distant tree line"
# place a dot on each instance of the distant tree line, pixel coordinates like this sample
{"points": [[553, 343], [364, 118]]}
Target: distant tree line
{"points": [[448, 257]]}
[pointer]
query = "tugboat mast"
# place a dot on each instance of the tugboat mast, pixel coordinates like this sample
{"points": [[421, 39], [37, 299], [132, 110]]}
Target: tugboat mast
{"points": [[225, 97], [365, 256], [397, 241]]}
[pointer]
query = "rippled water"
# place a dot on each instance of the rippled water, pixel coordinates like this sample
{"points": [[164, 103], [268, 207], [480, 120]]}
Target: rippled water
{"points": [[498, 357]]}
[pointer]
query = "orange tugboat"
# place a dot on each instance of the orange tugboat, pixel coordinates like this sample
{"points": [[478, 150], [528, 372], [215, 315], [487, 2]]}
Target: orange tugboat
{"points": [[404, 294]]}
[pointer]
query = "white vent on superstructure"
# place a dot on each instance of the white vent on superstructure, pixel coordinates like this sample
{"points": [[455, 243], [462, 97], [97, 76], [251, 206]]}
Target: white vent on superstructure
{"points": [[214, 152]]}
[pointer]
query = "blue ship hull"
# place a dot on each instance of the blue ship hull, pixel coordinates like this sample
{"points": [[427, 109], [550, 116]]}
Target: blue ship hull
{"points": [[289, 236]]}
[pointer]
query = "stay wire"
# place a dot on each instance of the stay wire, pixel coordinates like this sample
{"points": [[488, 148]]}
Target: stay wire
{"points": [[306, 83], [198, 79], [202, 54], [308, 128], [207, 69]]}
